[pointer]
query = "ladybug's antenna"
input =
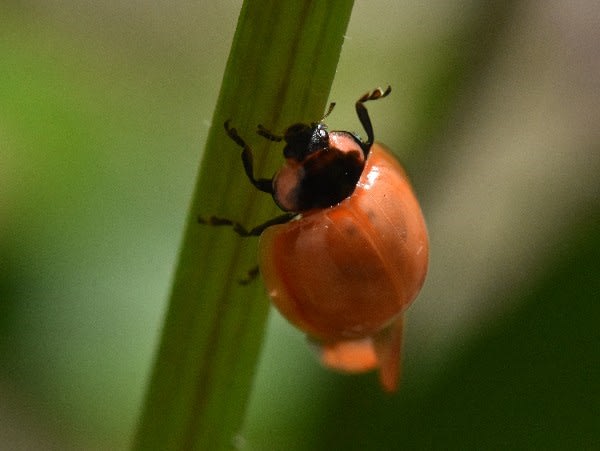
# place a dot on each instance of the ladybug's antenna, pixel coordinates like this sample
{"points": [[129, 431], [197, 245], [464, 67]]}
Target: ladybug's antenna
{"points": [[363, 114], [328, 112], [265, 133]]}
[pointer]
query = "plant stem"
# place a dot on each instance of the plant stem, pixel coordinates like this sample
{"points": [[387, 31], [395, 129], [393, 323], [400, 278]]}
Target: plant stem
{"points": [[280, 70]]}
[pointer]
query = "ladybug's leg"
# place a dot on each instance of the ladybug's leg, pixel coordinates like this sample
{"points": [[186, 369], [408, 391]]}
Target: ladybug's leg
{"points": [[251, 275], [264, 185], [240, 229], [253, 272], [363, 114], [262, 131]]}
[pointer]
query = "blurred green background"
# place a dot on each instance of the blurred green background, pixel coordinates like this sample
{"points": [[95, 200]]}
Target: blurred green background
{"points": [[104, 110]]}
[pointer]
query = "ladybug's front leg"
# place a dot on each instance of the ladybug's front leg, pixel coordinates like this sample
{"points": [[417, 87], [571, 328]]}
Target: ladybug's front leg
{"points": [[240, 229], [363, 114], [264, 185]]}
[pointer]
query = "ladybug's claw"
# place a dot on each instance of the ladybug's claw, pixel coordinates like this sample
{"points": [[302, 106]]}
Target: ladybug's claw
{"points": [[376, 94], [233, 134], [264, 185], [216, 221]]}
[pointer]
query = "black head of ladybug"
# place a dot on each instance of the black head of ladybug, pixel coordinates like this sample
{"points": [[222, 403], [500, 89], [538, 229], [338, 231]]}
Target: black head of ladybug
{"points": [[303, 139], [321, 168]]}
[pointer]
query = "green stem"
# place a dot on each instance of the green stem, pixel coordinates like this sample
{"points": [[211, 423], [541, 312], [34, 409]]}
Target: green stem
{"points": [[280, 71]]}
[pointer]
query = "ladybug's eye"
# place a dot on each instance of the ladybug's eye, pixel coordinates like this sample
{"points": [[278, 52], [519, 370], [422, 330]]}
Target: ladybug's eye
{"points": [[319, 139]]}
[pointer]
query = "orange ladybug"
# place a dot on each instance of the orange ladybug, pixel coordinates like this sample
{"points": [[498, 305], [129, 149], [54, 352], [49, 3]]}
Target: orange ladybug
{"points": [[350, 254]]}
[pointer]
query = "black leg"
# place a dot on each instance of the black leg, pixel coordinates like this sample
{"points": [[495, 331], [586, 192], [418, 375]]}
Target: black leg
{"points": [[240, 229], [264, 185], [262, 131], [251, 275], [363, 114]]}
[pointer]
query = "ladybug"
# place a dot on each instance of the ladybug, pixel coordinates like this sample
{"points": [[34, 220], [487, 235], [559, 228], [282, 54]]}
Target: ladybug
{"points": [[350, 253]]}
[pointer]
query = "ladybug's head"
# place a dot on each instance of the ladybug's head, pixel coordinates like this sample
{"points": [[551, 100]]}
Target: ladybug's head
{"points": [[303, 139], [321, 168]]}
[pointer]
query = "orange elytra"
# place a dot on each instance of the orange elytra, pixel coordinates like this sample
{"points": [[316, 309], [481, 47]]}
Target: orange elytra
{"points": [[351, 252]]}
